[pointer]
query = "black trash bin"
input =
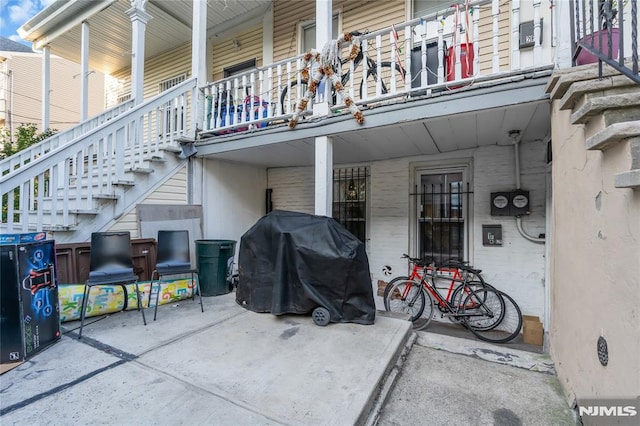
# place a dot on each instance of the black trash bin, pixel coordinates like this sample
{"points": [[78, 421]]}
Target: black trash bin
{"points": [[214, 259]]}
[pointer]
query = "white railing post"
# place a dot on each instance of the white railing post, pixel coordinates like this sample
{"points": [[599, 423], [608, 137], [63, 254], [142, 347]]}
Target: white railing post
{"points": [[407, 60], [537, 48], [476, 40], [515, 35], [495, 12], [441, 52], [392, 42], [378, 68]]}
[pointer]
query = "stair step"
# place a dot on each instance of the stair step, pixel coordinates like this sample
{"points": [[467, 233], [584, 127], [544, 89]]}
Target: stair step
{"points": [[630, 179], [127, 183], [58, 228], [562, 80], [607, 86], [105, 196], [613, 134], [595, 106], [170, 148], [140, 170], [157, 159]]}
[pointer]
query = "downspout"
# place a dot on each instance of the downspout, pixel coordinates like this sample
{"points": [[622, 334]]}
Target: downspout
{"points": [[515, 135]]}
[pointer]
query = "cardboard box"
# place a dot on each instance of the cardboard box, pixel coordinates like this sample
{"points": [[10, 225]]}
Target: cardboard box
{"points": [[532, 330], [28, 237]]}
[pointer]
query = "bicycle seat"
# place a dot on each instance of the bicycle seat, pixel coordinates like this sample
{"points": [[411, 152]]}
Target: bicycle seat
{"points": [[463, 265]]}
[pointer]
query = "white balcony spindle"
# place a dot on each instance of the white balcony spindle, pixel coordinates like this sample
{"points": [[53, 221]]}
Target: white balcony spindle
{"points": [[378, 68], [279, 110], [515, 35], [441, 52], [495, 14], [365, 70], [89, 173], [537, 48], [407, 52], [393, 41], [476, 39]]}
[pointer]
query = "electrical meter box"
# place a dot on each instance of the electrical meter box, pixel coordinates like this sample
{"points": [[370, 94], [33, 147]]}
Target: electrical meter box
{"points": [[513, 203]]}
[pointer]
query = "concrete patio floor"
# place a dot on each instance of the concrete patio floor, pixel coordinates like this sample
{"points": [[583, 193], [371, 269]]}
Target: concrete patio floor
{"points": [[230, 366]]}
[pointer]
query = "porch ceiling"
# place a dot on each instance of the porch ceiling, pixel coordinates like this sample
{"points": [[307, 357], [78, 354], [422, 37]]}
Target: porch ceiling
{"points": [[440, 124], [59, 26]]}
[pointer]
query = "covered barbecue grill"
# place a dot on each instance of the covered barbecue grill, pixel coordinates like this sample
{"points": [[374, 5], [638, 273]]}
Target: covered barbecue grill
{"points": [[298, 263]]}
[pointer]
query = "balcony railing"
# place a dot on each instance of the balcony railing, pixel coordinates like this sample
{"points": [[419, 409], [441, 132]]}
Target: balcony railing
{"points": [[606, 31], [444, 51]]}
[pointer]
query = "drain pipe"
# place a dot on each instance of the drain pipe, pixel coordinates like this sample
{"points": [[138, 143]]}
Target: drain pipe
{"points": [[515, 135]]}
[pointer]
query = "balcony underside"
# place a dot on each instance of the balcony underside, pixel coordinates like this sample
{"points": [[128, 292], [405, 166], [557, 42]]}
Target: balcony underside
{"points": [[423, 124]]}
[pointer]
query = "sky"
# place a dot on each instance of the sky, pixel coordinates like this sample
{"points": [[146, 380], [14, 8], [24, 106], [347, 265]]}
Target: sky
{"points": [[14, 13]]}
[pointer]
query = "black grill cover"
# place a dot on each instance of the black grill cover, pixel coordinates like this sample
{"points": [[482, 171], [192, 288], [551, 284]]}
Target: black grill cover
{"points": [[292, 262]]}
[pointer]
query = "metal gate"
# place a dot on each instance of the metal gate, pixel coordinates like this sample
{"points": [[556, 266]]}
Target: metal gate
{"points": [[443, 221], [350, 199]]}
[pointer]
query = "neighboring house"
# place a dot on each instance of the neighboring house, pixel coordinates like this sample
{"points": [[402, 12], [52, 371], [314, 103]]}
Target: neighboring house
{"points": [[453, 159], [21, 85]]}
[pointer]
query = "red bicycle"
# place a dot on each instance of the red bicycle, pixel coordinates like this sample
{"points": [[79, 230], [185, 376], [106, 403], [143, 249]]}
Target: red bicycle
{"points": [[487, 312]]}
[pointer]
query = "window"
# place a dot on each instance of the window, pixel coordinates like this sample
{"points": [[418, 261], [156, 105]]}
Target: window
{"points": [[443, 203], [240, 68], [174, 110], [308, 36], [124, 98], [350, 199], [426, 7]]}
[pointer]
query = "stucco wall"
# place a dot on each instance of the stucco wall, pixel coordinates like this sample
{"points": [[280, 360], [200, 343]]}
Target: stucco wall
{"points": [[516, 267], [234, 198], [595, 267]]}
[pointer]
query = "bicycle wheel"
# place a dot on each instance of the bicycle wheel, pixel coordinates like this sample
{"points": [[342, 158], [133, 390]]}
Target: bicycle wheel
{"points": [[508, 328], [464, 290], [406, 297], [385, 78], [427, 314], [284, 100], [459, 296], [387, 289]]}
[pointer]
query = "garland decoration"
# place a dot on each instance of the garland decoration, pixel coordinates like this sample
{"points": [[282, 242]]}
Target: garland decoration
{"points": [[329, 61]]}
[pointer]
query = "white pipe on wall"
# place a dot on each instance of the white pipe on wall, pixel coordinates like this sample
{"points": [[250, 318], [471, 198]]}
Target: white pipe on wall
{"points": [[515, 135]]}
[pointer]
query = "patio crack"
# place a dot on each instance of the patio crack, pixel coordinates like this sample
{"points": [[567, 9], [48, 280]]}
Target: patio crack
{"points": [[123, 356]]}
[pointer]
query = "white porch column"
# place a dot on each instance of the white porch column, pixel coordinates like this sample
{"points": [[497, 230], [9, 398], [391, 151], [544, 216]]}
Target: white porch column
{"points": [[46, 88], [323, 31], [324, 175], [139, 18], [198, 62], [84, 71]]}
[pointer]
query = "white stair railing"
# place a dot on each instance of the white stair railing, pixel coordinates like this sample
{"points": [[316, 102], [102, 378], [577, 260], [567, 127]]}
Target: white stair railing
{"points": [[46, 191], [11, 164]]}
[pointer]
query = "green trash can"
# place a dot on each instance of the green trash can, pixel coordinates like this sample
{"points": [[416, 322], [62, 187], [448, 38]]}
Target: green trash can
{"points": [[214, 259]]}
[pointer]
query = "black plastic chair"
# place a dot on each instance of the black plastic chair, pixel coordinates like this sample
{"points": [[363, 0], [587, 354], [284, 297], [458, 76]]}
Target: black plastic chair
{"points": [[110, 264], [174, 259]]}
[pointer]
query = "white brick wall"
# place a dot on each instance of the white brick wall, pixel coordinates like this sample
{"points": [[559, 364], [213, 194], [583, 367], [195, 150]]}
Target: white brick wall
{"points": [[293, 189], [517, 267]]}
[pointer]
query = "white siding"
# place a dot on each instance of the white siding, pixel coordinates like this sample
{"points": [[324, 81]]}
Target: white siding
{"points": [[65, 91], [174, 191], [225, 54], [355, 16], [162, 67]]}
